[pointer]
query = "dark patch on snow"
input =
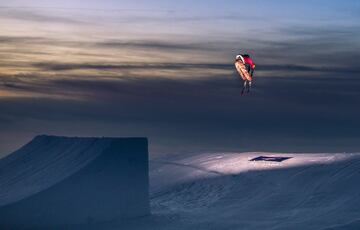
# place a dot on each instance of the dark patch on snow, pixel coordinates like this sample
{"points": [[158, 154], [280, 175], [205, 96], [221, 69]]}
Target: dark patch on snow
{"points": [[276, 159]]}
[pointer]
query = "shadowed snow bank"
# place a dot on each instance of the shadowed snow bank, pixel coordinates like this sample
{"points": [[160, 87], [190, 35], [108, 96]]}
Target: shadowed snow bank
{"points": [[59, 180]]}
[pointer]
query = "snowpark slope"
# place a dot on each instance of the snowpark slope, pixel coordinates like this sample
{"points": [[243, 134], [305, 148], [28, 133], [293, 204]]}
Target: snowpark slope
{"points": [[229, 191], [226, 191], [219, 191], [55, 181]]}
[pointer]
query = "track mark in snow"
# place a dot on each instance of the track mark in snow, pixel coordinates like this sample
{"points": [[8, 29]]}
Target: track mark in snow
{"points": [[189, 166]]}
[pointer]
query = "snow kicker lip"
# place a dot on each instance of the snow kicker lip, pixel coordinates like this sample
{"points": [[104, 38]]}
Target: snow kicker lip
{"points": [[275, 159], [64, 181]]}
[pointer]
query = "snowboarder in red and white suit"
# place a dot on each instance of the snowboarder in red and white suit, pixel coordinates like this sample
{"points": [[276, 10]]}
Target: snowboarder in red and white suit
{"points": [[245, 62]]}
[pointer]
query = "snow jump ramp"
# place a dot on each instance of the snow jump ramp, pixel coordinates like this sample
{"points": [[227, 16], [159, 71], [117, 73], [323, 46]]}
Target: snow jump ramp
{"points": [[54, 181]]}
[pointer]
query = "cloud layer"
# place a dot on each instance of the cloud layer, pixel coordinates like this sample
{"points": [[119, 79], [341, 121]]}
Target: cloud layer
{"points": [[178, 87]]}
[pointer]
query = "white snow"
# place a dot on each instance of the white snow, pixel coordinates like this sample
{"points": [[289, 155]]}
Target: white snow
{"points": [[179, 169], [209, 190], [59, 181], [44, 162], [227, 191]]}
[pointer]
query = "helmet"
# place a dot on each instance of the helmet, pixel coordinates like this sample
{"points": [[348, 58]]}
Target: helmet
{"points": [[239, 57]]}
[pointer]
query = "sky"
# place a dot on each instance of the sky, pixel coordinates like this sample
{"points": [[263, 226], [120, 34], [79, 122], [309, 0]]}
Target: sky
{"points": [[164, 69]]}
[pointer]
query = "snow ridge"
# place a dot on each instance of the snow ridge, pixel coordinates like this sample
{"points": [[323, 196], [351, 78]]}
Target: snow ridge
{"points": [[44, 162]]}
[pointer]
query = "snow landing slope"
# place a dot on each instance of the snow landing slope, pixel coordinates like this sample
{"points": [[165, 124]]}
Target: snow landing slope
{"points": [[61, 180], [227, 191]]}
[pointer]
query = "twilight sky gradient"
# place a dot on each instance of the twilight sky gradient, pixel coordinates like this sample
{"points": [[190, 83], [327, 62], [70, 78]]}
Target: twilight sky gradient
{"points": [[164, 69]]}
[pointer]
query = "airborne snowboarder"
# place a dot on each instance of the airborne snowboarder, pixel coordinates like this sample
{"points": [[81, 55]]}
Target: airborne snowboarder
{"points": [[245, 67]]}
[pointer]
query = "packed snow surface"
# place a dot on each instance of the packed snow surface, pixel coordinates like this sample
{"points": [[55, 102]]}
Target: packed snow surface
{"points": [[44, 162], [60, 181], [208, 190], [228, 191]]}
